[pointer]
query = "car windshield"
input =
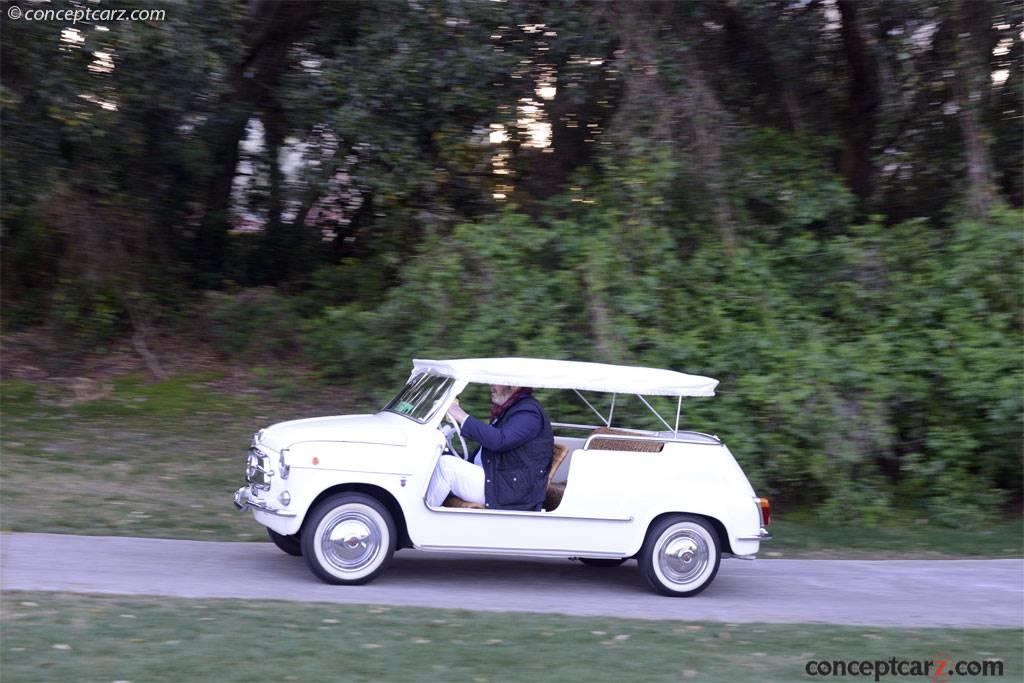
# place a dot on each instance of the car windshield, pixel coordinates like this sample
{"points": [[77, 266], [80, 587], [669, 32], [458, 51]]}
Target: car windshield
{"points": [[420, 396]]}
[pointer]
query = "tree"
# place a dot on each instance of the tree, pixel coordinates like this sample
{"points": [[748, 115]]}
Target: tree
{"points": [[973, 25], [858, 123], [252, 78]]}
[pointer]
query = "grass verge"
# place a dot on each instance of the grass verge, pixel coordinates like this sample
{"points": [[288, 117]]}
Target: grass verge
{"points": [[59, 637], [905, 537], [143, 459]]}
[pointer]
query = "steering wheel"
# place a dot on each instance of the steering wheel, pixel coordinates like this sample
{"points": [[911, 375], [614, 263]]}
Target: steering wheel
{"points": [[450, 431]]}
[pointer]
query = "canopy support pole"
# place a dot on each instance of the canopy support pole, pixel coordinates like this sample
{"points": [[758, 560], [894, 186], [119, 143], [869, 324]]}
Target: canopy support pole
{"points": [[656, 413], [607, 422], [679, 408], [612, 410]]}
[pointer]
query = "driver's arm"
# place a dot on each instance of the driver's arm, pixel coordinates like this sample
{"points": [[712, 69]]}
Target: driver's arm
{"points": [[519, 428]]}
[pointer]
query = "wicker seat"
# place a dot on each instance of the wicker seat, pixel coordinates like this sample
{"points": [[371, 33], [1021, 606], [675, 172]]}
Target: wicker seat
{"points": [[554, 491], [554, 495], [634, 445]]}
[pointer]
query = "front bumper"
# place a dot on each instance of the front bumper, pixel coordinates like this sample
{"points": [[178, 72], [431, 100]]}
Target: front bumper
{"points": [[244, 500]]}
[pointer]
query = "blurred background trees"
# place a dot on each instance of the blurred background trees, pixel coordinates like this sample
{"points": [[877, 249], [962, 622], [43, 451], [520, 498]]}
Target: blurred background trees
{"points": [[816, 201]]}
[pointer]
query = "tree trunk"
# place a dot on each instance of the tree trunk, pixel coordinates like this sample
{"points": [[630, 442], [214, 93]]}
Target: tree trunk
{"points": [[701, 107], [859, 119], [972, 82], [691, 113], [751, 53], [211, 241], [277, 24], [280, 243], [549, 169]]}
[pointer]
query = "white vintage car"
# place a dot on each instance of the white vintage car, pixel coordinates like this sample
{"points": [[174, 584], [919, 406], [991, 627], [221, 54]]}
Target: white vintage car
{"points": [[345, 492]]}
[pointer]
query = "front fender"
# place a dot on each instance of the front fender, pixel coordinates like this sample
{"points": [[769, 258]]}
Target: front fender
{"points": [[315, 467]]}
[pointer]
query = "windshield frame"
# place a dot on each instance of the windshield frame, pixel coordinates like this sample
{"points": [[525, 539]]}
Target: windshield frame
{"points": [[439, 394]]}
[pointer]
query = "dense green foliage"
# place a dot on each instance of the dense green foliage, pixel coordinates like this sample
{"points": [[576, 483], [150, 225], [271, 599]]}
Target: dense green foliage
{"points": [[856, 375], [817, 203]]}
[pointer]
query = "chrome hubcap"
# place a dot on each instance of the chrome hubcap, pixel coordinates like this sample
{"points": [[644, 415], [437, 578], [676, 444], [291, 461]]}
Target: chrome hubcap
{"points": [[683, 556], [350, 540]]}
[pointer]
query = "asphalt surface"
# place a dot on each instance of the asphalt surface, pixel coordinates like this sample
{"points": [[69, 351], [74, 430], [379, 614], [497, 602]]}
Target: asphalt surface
{"points": [[909, 593]]}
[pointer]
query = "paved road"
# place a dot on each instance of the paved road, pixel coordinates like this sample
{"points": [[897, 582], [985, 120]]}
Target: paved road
{"points": [[950, 593]]}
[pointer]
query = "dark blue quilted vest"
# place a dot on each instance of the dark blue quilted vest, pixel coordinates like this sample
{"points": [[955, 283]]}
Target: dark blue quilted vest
{"points": [[517, 479]]}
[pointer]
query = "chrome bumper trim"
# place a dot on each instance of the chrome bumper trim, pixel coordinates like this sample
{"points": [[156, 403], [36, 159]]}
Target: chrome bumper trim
{"points": [[762, 535], [244, 501]]}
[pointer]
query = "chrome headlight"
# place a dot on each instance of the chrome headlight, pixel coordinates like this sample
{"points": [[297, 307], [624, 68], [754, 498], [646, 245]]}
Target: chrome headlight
{"points": [[257, 469]]}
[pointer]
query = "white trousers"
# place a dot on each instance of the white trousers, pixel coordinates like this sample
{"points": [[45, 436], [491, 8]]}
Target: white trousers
{"points": [[464, 479]]}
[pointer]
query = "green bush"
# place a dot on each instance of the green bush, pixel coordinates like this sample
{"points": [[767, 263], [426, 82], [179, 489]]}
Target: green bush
{"points": [[88, 314], [492, 288], [876, 369], [251, 323]]}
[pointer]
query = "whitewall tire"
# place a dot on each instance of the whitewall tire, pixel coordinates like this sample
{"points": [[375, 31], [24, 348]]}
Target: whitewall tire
{"points": [[348, 539], [680, 555]]}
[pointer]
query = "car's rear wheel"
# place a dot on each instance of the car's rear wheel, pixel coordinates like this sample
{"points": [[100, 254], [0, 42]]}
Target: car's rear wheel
{"points": [[680, 556], [348, 539], [291, 544], [601, 561]]}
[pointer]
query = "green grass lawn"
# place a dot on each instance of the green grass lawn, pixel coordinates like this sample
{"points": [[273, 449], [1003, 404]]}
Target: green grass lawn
{"points": [[163, 459], [58, 637], [151, 459], [904, 537]]}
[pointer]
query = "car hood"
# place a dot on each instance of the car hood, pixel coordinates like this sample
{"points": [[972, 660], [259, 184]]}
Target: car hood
{"points": [[382, 428]]}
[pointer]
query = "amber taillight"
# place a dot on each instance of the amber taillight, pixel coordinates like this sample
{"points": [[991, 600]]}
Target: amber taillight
{"points": [[766, 510]]}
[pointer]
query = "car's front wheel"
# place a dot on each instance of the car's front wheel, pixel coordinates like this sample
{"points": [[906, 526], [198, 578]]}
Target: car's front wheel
{"points": [[348, 539], [680, 555], [290, 544]]}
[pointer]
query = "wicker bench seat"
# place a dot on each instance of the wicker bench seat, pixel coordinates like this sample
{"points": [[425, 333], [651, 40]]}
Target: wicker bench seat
{"points": [[637, 445]]}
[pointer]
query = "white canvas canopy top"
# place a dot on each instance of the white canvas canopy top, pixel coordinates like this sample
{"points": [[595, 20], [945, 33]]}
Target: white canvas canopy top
{"points": [[569, 374]]}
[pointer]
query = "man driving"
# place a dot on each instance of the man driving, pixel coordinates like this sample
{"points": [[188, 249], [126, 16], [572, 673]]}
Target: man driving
{"points": [[510, 470]]}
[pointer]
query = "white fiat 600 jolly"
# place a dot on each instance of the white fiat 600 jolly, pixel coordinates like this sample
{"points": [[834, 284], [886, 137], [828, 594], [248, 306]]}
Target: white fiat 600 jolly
{"points": [[345, 492]]}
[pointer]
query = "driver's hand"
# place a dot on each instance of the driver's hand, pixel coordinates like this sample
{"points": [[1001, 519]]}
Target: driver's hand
{"points": [[456, 412]]}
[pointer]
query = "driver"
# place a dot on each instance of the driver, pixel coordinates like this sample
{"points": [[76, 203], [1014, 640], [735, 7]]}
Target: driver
{"points": [[510, 470]]}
